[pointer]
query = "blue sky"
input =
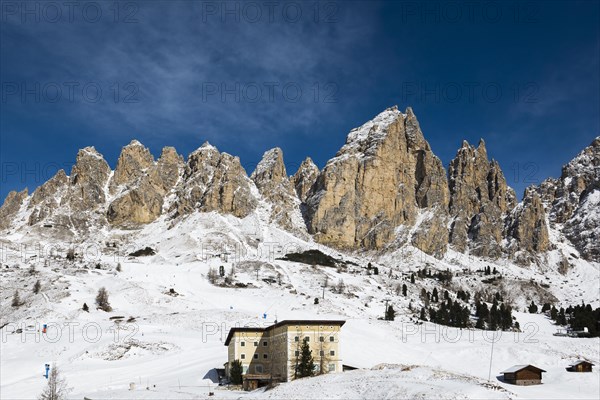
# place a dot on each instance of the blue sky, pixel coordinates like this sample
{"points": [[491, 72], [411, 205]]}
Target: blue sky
{"points": [[251, 76]]}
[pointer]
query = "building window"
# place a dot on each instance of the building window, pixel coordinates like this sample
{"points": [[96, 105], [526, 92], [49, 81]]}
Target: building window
{"points": [[321, 339], [331, 338], [321, 353], [331, 367], [265, 355], [264, 343], [258, 369], [296, 339], [256, 356], [296, 353], [243, 356], [332, 353], [243, 344], [255, 344]]}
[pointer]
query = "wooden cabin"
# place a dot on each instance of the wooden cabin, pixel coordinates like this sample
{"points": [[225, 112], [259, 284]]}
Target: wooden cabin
{"points": [[523, 375], [580, 366]]}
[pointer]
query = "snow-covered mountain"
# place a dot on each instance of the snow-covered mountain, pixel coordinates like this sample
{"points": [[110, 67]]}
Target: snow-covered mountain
{"points": [[382, 184], [385, 199]]}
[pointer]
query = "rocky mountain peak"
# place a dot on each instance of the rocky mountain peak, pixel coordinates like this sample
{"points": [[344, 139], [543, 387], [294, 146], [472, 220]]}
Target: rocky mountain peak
{"points": [[133, 163], [11, 206], [271, 168], [377, 181], [214, 181], [305, 177]]}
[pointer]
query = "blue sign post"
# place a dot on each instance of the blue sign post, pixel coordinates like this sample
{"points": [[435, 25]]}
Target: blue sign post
{"points": [[47, 369]]}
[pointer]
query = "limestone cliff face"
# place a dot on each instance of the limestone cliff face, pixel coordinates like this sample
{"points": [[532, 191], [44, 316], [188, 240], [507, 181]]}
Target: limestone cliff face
{"points": [[384, 189], [133, 163], [526, 228], [479, 201], [571, 201], [140, 184], [214, 181], [304, 178], [88, 182], [274, 185], [48, 197], [379, 180], [10, 208]]}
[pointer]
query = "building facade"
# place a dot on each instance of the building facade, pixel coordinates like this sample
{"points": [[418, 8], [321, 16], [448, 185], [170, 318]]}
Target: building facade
{"points": [[273, 353], [523, 375]]}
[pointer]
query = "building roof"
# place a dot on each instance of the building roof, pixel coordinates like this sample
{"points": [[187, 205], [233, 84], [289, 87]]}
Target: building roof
{"points": [[580, 362], [232, 331], [241, 329], [517, 368]]}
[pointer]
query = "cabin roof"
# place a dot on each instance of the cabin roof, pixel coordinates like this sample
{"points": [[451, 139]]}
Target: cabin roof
{"points": [[232, 331], [580, 362], [517, 368]]}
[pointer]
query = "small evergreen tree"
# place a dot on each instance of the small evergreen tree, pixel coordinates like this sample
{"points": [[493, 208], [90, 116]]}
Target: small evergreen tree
{"points": [[404, 290], [435, 296], [235, 373], [316, 300], [71, 254], [533, 308], [375, 271], [119, 267], [306, 365], [422, 317], [37, 286], [102, 300], [85, 307], [412, 278], [221, 271], [546, 307], [16, 300], [390, 314]]}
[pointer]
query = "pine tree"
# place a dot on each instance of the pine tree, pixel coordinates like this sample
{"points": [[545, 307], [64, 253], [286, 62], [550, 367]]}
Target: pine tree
{"points": [[412, 278], [119, 267], [16, 300], [532, 308], [390, 314], [306, 365], [435, 296], [102, 300], [423, 317], [85, 307], [404, 290], [57, 388], [553, 313], [235, 373], [37, 286]]}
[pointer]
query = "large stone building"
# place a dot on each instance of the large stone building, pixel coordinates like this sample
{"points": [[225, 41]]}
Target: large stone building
{"points": [[272, 353]]}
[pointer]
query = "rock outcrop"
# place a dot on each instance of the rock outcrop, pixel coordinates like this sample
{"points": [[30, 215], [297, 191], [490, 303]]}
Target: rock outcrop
{"points": [[273, 184], [526, 228], [479, 201], [571, 201], [214, 181], [141, 194], [11, 206], [305, 178], [134, 162], [88, 181], [379, 180]]}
